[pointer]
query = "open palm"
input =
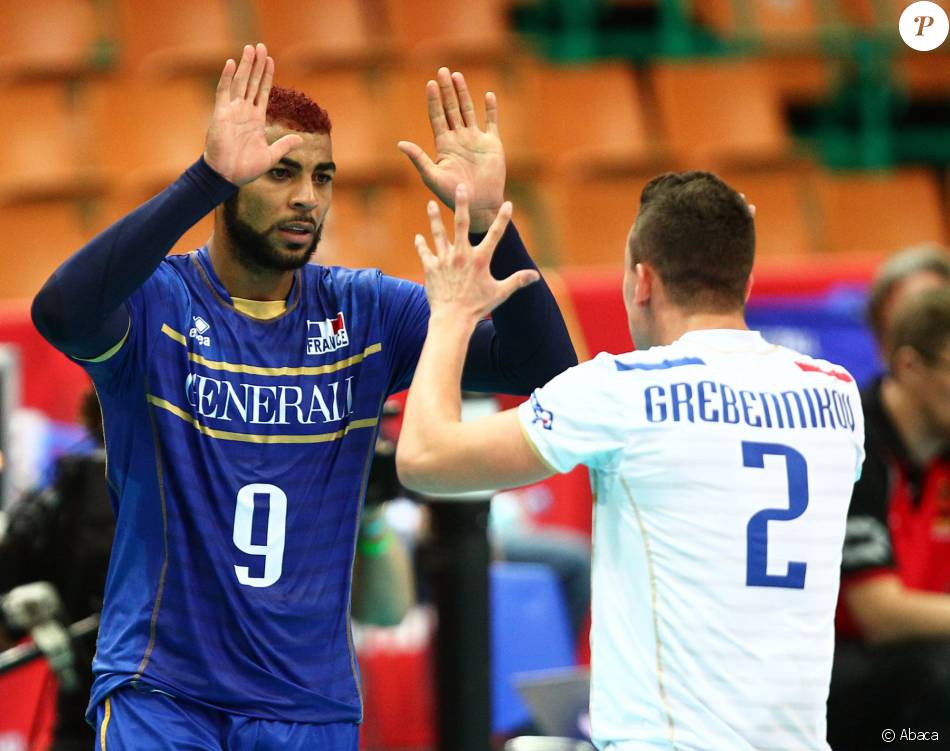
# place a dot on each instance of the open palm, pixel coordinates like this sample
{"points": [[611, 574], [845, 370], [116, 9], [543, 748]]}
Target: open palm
{"points": [[236, 145], [464, 153], [457, 275]]}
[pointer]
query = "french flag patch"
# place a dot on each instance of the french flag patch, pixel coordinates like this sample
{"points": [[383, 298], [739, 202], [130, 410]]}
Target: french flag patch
{"points": [[327, 336]]}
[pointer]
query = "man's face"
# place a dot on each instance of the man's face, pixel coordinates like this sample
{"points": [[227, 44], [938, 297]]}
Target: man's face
{"points": [[274, 223], [933, 391], [909, 288]]}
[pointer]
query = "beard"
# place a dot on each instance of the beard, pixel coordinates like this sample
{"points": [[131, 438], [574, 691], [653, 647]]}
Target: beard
{"points": [[255, 251]]}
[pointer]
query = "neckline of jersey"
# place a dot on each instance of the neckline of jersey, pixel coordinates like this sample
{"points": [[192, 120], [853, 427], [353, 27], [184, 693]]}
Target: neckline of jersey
{"points": [[724, 336], [203, 258]]}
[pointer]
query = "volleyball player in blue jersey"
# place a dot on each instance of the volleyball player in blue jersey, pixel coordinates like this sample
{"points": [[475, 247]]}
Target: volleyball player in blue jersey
{"points": [[241, 389]]}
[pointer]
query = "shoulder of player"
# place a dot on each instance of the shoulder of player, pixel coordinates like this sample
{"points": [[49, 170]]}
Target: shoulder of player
{"points": [[173, 271], [601, 369], [656, 359], [179, 263], [819, 366], [341, 279]]}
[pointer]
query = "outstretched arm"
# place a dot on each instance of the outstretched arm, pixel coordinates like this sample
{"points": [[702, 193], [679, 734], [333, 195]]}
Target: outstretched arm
{"points": [[81, 307], [526, 343], [465, 153], [437, 453]]}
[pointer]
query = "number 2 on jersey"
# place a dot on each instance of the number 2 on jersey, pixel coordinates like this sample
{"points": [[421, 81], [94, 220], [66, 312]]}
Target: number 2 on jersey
{"points": [[757, 533], [273, 548]]}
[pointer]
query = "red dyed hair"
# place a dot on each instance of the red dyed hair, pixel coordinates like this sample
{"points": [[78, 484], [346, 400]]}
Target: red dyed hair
{"points": [[297, 111]]}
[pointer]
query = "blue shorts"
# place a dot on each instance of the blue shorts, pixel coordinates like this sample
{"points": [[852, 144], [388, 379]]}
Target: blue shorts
{"points": [[139, 719]]}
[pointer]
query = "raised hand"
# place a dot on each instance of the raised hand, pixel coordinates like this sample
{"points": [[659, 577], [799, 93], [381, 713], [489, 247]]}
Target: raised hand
{"points": [[464, 153], [458, 279], [236, 146]]}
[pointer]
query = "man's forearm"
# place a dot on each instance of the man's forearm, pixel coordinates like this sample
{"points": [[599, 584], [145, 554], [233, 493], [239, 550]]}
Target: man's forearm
{"points": [[888, 612], [526, 343], [79, 308], [434, 404]]}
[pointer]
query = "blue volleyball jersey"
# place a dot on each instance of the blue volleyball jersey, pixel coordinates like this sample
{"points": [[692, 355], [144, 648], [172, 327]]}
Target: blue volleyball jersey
{"points": [[238, 454]]}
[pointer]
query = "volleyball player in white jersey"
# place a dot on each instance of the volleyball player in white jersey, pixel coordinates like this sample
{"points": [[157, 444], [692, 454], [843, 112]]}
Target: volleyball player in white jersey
{"points": [[721, 465]]}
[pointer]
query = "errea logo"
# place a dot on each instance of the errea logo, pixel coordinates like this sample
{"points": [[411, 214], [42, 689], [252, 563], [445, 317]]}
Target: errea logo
{"points": [[326, 336], [197, 332]]}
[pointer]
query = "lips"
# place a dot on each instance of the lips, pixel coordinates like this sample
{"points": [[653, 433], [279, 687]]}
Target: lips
{"points": [[298, 228]]}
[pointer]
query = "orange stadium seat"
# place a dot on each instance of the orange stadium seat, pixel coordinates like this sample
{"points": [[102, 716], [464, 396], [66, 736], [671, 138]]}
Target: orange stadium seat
{"points": [[37, 237], [117, 204], [40, 152], [922, 75], [790, 20], [513, 85], [318, 33], [861, 13], [586, 221], [364, 148], [879, 212], [373, 227], [870, 13], [173, 37], [449, 31], [139, 160], [55, 38], [144, 134], [721, 113], [590, 118], [788, 31], [783, 219], [409, 217]]}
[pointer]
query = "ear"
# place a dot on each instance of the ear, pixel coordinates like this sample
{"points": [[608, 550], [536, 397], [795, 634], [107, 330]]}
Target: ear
{"points": [[907, 365], [645, 279]]}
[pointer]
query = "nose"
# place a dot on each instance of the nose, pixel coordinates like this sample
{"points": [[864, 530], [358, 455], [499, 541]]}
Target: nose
{"points": [[304, 197]]}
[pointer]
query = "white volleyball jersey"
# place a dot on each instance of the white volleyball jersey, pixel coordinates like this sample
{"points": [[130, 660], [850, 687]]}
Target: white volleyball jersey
{"points": [[722, 468]]}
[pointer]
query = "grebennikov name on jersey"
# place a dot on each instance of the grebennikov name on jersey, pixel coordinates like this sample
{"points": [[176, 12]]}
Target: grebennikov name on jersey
{"points": [[710, 401], [310, 402]]}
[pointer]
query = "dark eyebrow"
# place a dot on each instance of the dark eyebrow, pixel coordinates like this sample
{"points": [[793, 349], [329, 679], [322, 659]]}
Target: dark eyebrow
{"points": [[320, 167]]}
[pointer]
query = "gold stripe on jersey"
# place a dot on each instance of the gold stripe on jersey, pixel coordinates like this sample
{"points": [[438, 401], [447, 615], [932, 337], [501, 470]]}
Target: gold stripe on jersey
{"points": [[172, 334], [106, 716], [162, 577], [112, 350], [229, 367], [227, 435]]}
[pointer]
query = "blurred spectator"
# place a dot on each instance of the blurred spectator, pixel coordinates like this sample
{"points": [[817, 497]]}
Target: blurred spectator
{"points": [[892, 658], [903, 276], [62, 533]]}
